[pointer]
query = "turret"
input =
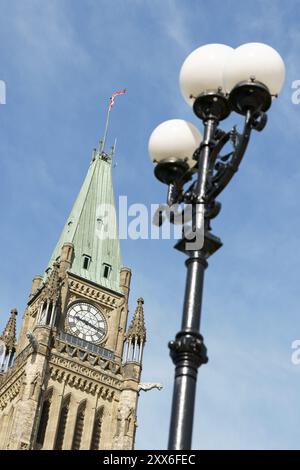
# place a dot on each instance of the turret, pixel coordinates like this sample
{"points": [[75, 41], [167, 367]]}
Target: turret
{"points": [[8, 342], [36, 284], [125, 279], [136, 336], [66, 257], [50, 297]]}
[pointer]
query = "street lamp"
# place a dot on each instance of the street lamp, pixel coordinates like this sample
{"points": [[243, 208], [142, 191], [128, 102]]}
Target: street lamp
{"points": [[215, 80]]}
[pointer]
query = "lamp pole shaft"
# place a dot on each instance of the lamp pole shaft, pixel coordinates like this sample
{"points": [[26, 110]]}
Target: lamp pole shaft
{"points": [[188, 351]]}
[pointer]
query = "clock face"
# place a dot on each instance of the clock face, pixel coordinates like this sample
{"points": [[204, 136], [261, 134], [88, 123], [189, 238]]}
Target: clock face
{"points": [[87, 322]]}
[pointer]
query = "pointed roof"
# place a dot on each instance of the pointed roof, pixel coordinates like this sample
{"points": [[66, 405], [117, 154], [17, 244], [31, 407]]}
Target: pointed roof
{"points": [[137, 326], [9, 332], [52, 284], [86, 227]]}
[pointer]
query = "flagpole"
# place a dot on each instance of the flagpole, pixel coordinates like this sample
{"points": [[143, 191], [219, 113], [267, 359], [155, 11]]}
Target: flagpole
{"points": [[106, 129], [111, 103]]}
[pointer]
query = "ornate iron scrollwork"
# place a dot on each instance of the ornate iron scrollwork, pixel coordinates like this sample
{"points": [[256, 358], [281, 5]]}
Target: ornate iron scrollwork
{"points": [[221, 167]]}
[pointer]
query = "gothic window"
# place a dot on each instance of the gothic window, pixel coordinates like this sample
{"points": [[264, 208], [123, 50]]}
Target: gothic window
{"points": [[78, 427], [43, 313], [62, 423], [44, 420], [106, 270], [49, 314], [96, 436], [86, 261]]}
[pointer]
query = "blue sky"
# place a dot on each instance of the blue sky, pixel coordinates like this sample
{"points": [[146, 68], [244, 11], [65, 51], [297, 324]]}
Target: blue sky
{"points": [[61, 60]]}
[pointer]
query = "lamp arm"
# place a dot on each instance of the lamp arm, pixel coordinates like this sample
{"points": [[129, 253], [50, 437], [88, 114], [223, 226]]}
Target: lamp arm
{"points": [[228, 165]]}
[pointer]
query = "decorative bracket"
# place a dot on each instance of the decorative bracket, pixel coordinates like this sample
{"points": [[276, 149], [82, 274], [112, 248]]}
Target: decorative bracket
{"points": [[221, 167]]}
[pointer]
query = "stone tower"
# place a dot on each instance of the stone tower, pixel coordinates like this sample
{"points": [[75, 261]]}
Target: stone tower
{"points": [[72, 379]]}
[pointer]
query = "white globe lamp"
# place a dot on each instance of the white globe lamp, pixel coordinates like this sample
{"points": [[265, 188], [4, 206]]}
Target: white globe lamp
{"points": [[171, 147]]}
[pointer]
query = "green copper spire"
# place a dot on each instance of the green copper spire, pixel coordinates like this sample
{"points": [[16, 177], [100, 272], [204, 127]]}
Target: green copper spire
{"points": [[97, 256]]}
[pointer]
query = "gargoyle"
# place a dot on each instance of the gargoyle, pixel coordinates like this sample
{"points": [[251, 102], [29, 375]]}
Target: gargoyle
{"points": [[149, 386], [32, 340]]}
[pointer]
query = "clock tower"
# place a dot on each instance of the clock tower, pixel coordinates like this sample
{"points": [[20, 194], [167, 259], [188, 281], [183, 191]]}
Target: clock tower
{"points": [[71, 381]]}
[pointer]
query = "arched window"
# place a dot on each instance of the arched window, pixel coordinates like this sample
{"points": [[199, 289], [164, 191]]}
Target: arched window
{"points": [[43, 315], [49, 313], [86, 261], [62, 423], [106, 270], [44, 420], [78, 426], [96, 436]]}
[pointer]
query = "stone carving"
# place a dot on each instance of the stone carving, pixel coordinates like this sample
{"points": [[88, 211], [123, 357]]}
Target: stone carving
{"points": [[32, 340], [96, 294], [149, 386], [78, 382], [11, 390], [35, 386], [128, 420], [124, 418], [86, 371], [24, 446], [23, 386]]}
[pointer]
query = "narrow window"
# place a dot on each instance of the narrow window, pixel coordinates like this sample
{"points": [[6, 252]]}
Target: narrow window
{"points": [[78, 427], [86, 261], [49, 313], [43, 424], [96, 436], [43, 316], [44, 420], [62, 424], [106, 270]]}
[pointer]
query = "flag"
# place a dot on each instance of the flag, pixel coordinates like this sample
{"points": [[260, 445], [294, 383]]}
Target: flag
{"points": [[112, 98]]}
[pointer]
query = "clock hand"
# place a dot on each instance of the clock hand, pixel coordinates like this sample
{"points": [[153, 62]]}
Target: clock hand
{"points": [[101, 330], [86, 322]]}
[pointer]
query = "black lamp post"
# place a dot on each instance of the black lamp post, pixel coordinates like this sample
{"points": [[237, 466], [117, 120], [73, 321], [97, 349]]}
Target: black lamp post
{"points": [[215, 80]]}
